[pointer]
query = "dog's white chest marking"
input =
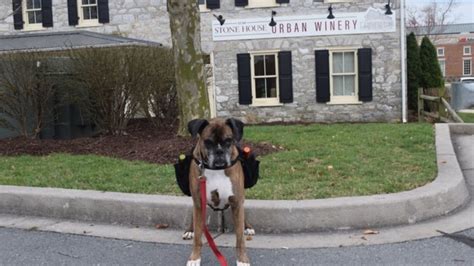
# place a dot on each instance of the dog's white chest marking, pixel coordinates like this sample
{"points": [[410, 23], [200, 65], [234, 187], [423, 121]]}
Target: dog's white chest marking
{"points": [[218, 182]]}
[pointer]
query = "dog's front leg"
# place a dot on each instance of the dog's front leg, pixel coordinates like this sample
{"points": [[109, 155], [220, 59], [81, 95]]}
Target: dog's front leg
{"points": [[238, 215], [195, 258]]}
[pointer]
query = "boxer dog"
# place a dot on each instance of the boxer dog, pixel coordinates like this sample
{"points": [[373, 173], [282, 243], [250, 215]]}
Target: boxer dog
{"points": [[216, 158]]}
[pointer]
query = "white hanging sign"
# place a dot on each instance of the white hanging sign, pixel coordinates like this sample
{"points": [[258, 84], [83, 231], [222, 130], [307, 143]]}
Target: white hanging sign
{"points": [[372, 21]]}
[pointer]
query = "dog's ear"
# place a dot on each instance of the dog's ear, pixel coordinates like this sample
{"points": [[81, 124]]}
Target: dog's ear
{"points": [[237, 127], [196, 126]]}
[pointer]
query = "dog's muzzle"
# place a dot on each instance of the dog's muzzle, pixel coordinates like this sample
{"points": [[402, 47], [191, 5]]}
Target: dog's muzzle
{"points": [[220, 163]]}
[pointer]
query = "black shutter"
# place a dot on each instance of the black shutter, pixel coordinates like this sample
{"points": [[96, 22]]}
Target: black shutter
{"points": [[283, 1], [72, 12], [47, 13], [365, 74], [245, 84], [213, 4], [322, 76], [241, 2], [285, 77], [103, 6], [18, 15]]}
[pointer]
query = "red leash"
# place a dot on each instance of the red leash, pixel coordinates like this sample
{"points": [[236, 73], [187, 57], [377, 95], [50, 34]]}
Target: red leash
{"points": [[210, 240]]}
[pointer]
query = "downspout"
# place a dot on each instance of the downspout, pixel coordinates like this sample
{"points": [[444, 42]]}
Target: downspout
{"points": [[213, 103], [403, 60]]}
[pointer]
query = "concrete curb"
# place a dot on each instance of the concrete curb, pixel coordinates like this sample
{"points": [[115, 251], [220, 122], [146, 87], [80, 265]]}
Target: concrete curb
{"points": [[444, 195]]}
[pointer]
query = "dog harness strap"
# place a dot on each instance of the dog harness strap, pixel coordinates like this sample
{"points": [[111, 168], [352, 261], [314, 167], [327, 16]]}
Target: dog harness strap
{"points": [[210, 240]]}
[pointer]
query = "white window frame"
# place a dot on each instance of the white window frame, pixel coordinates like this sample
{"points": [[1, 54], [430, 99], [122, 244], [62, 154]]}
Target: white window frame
{"points": [[87, 22], [443, 69], [438, 51], [261, 3], [203, 7], [464, 50], [265, 101], [354, 99], [338, 1], [470, 66], [27, 26]]}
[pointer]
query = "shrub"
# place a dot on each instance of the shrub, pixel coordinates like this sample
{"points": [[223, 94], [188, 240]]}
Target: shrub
{"points": [[431, 76], [118, 82], [157, 100], [413, 71], [26, 93]]}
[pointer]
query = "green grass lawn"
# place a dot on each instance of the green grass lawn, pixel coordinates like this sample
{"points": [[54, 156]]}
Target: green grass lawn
{"points": [[87, 172], [467, 117], [319, 161]]}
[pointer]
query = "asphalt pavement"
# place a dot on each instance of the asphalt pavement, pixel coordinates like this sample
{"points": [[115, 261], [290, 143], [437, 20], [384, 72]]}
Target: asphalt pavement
{"points": [[23, 247]]}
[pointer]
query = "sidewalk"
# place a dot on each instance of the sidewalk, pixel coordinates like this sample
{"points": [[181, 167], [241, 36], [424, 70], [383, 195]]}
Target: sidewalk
{"points": [[297, 223]]}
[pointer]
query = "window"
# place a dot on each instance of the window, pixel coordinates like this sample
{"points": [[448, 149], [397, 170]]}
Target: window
{"points": [[343, 74], [202, 5], [264, 79], [440, 51], [442, 66], [467, 50], [32, 16], [337, 1], [88, 12], [207, 5], [261, 3], [467, 67]]}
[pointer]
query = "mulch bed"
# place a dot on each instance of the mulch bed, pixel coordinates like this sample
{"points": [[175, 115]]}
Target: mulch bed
{"points": [[142, 142]]}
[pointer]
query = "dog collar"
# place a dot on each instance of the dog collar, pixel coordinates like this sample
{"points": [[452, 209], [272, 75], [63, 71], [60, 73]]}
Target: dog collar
{"points": [[219, 209], [205, 165]]}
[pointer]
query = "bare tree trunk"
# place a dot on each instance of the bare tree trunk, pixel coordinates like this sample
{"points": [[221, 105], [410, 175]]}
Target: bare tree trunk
{"points": [[193, 101]]}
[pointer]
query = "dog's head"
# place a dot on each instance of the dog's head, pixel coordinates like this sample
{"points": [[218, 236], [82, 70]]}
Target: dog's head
{"points": [[217, 140]]}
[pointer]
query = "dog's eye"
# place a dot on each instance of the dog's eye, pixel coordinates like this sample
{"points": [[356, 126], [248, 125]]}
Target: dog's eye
{"points": [[228, 142], [208, 143]]}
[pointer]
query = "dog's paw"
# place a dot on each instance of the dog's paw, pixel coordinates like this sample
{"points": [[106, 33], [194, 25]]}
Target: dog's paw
{"points": [[188, 235], [249, 232], [194, 262], [242, 263]]}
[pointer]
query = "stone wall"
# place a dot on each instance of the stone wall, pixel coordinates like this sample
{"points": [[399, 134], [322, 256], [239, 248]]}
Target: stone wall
{"points": [[141, 19]]}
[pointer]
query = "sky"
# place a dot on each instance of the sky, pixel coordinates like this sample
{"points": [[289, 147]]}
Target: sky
{"points": [[462, 13]]}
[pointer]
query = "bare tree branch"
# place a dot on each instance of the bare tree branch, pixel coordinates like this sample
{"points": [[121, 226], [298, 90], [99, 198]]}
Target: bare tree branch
{"points": [[431, 17], [447, 10], [10, 14]]}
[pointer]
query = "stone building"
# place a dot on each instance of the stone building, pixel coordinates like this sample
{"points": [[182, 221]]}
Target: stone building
{"points": [[139, 19], [307, 67], [454, 45], [272, 60]]}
